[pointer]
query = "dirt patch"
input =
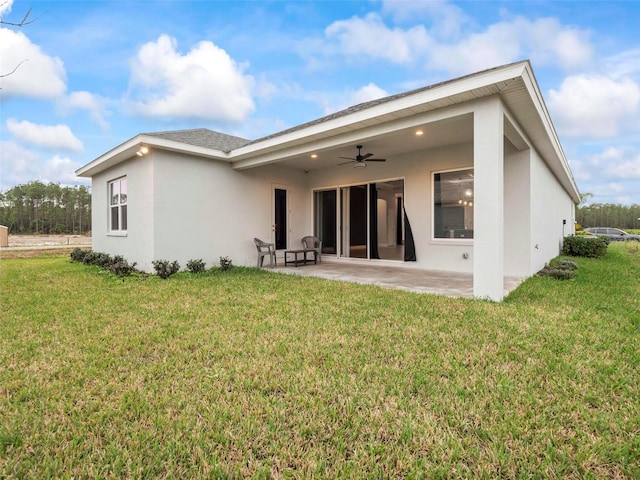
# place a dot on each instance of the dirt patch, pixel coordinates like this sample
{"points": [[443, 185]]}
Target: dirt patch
{"points": [[11, 253], [48, 240]]}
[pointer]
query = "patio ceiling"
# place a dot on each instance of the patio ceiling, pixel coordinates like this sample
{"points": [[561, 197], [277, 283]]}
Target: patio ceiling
{"points": [[390, 145]]}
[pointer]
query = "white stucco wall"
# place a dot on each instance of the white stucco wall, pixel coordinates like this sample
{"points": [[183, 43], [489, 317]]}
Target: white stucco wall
{"points": [[205, 209], [550, 206], [139, 173], [517, 212]]}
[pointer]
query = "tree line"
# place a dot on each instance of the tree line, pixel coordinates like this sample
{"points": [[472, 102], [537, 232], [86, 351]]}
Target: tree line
{"points": [[608, 215], [37, 208]]}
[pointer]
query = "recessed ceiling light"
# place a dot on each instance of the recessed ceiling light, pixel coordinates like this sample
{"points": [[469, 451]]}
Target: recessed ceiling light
{"points": [[314, 155], [419, 132]]}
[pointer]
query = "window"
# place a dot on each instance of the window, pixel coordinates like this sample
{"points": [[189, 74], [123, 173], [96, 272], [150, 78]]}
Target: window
{"points": [[118, 205], [453, 204]]}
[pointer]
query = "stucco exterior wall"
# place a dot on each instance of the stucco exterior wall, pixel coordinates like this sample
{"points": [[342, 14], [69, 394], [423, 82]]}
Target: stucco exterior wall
{"points": [[517, 211], [551, 205], [182, 207], [137, 245], [416, 169]]}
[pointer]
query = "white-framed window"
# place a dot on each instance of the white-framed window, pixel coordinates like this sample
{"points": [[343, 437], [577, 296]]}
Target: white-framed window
{"points": [[453, 199], [118, 205]]}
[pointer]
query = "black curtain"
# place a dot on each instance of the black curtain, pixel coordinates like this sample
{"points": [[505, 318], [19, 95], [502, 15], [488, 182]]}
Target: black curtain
{"points": [[399, 222], [373, 221], [409, 245]]}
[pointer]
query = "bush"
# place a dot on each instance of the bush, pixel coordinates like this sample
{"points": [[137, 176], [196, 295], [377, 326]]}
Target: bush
{"points": [[77, 255], [225, 263], [557, 273], [560, 269], [581, 246], [196, 266], [564, 264], [120, 267], [97, 258], [165, 269]]}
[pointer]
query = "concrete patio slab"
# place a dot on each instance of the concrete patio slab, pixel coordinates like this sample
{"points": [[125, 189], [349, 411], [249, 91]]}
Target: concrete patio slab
{"points": [[398, 277]]}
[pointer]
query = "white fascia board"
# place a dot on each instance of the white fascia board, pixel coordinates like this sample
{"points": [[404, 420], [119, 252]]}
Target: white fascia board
{"points": [[256, 154], [129, 148], [352, 135], [538, 100]]}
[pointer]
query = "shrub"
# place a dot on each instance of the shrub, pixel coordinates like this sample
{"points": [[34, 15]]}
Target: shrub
{"points": [[557, 273], [581, 246], [225, 263], [164, 268], [564, 264], [120, 267], [77, 255], [97, 258], [196, 266]]}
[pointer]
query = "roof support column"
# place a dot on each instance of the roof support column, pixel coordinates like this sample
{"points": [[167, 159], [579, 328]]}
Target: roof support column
{"points": [[488, 220]]}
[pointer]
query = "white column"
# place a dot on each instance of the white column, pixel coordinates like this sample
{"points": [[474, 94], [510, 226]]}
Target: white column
{"points": [[488, 220]]}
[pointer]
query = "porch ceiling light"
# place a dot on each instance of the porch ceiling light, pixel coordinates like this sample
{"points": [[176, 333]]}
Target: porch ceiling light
{"points": [[314, 155], [419, 133], [142, 151], [360, 165]]}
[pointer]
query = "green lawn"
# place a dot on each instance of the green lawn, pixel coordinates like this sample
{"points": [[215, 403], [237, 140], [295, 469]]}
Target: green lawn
{"points": [[249, 373]]}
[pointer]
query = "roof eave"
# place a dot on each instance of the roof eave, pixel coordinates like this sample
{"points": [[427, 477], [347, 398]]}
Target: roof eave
{"points": [[129, 148], [253, 155]]}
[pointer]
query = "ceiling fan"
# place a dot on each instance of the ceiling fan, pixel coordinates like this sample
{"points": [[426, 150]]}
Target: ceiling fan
{"points": [[361, 160]]}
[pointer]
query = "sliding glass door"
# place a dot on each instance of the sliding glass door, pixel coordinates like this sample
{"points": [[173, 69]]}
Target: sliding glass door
{"points": [[361, 221], [325, 219]]}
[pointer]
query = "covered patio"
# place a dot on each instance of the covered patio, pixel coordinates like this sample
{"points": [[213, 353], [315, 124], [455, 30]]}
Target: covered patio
{"points": [[436, 282]]}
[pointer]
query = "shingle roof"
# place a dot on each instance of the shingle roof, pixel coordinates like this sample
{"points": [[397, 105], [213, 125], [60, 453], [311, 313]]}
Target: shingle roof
{"points": [[203, 137], [373, 103]]}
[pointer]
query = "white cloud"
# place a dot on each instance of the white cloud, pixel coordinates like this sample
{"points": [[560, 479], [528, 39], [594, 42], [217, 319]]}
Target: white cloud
{"points": [[49, 137], [446, 18], [367, 93], [38, 75], [369, 36], [206, 83], [545, 41], [19, 165], [611, 175], [443, 47], [5, 7], [60, 170], [623, 64], [595, 106], [620, 162], [94, 104], [364, 94]]}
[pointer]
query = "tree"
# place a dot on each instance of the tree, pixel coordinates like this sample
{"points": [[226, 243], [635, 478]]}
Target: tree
{"points": [[36, 207], [25, 21]]}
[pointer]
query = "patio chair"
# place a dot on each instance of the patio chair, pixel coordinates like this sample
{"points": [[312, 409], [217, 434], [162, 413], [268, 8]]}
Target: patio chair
{"points": [[265, 249], [313, 243]]}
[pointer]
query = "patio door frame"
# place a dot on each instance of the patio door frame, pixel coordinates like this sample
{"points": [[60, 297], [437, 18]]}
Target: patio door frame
{"points": [[276, 211], [343, 214]]}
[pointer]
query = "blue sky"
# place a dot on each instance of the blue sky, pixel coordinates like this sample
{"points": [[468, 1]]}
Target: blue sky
{"points": [[99, 72]]}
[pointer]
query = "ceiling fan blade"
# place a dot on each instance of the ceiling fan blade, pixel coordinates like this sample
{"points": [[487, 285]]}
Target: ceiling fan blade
{"points": [[346, 163], [376, 159], [365, 156], [348, 158]]}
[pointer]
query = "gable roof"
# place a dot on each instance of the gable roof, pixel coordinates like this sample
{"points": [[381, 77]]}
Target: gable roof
{"points": [[514, 83], [203, 137]]}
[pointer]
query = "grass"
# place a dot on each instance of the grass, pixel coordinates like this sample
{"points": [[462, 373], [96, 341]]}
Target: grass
{"points": [[249, 373]]}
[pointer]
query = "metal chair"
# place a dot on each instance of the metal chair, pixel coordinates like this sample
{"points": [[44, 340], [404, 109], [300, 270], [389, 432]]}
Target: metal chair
{"points": [[265, 249], [313, 243]]}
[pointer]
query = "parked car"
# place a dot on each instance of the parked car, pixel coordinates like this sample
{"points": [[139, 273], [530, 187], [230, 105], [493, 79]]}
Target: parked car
{"points": [[613, 234]]}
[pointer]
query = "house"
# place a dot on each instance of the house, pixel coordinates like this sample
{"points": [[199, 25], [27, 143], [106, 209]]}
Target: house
{"points": [[475, 180]]}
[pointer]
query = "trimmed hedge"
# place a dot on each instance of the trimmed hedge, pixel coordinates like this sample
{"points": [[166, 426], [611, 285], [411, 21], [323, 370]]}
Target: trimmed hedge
{"points": [[583, 246]]}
